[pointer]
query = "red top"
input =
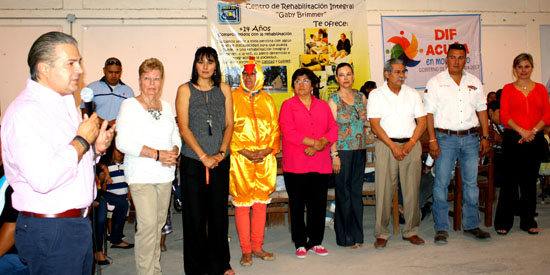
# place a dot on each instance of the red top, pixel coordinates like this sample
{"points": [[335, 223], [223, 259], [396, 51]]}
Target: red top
{"points": [[525, 111], [297, 123]]}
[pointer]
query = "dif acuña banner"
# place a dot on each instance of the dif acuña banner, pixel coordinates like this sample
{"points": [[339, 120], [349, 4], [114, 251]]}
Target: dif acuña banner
{"points": [[422, 42]]}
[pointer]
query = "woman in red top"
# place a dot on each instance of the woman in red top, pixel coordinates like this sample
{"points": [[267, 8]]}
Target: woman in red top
{"points": [[525, 111]]}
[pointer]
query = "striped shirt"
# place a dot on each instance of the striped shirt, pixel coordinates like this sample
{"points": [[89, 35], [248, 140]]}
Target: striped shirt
{"points": [[119, 185]]}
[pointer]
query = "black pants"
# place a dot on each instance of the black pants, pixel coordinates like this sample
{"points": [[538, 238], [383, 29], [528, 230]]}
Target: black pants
{"points": [[348, 219], [307, 190], [205, 221], [521, 169]]}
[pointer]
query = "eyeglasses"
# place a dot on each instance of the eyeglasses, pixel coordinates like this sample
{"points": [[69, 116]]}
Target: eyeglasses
{"points": [[305, 81], [245, 74], [112, 62]]}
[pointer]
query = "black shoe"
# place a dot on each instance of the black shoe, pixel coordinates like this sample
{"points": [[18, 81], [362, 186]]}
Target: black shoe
{"points": [[104, 262], [502, 232], [401, 219], [426, 210], [127, 246], [478, 233]]}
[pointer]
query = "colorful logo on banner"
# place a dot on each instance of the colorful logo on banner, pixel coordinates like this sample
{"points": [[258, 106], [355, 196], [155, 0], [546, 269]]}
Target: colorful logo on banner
{"points": [[229, 14], [422, 43], [404, 49]]}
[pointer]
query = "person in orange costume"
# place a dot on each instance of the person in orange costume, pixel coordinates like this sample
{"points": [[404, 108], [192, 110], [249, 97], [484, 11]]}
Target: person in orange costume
{"points": [[253, 172]]}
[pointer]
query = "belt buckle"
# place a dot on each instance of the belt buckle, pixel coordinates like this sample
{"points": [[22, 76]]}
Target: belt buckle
{"points": [[85, 212]]}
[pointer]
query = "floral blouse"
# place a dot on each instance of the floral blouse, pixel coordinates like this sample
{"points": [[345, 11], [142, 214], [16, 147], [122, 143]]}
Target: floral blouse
{"points": [[351, 121]]}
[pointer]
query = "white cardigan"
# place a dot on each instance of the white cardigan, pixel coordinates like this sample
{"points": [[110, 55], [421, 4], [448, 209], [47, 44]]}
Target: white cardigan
{"points": [[135, 128]]}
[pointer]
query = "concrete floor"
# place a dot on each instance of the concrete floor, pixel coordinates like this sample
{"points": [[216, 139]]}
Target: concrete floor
{"points": [[516, 253]]}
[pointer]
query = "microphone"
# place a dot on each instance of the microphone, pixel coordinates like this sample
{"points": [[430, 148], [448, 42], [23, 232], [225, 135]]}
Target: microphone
{"points": [[87, 95]]}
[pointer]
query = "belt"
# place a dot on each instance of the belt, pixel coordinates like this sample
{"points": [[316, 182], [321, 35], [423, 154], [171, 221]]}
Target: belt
{"points": [[458, 133], [401, 140], [71, 213]]}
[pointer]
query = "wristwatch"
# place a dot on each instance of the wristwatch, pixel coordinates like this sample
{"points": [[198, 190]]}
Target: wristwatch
{"points": [[486, 138], [222, 153]]}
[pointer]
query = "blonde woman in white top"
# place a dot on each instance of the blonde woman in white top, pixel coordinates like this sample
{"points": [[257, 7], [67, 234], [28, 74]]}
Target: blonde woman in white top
{"points": [[148, 135]]}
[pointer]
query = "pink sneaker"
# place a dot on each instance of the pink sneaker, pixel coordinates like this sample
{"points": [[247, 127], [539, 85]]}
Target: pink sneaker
{"points": [[319, 250], [301, 252]]}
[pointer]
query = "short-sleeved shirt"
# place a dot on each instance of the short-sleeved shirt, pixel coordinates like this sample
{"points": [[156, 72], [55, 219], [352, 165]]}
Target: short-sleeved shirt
{"points": [[397, 112], [453, 106], [107, 100], [119, 185], [351, 121]]}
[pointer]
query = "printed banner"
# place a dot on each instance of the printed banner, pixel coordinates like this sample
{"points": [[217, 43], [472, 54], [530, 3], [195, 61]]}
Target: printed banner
{"points": [[422, 42], [286, 36]]}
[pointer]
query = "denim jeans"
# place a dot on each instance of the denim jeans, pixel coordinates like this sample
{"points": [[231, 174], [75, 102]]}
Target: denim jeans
{"points": [[11, 265], [466, 149], [118, 219]]}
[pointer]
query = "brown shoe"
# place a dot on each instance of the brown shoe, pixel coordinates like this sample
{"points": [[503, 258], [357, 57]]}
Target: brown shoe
{"points": [[262, 254], [441, 237], [246, 259], [477, 233], [380, 243], [414, 239]]}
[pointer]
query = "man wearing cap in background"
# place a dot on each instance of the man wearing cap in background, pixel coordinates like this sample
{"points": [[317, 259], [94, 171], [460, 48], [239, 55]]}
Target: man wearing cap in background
{"points": [[254, 144], [109, 91]]}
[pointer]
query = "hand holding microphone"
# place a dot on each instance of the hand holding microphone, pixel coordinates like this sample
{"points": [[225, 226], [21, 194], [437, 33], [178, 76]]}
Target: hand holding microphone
{"points": [[91, 128], [87, 96]]}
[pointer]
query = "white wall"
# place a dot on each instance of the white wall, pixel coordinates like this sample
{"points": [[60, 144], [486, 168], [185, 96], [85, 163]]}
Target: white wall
{"points": [[171, 29]]}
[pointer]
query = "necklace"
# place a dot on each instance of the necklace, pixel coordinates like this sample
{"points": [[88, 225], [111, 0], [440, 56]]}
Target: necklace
{"points": [[155, 113], [524, 87]]}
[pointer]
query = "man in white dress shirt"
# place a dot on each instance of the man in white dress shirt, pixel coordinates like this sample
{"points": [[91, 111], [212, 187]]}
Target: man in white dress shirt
{"points": [[456, 108], [398, 119]]}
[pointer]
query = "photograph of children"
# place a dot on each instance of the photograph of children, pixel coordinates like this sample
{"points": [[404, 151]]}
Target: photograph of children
{"points": [[340, 47], [314, 62], [316, 41]]}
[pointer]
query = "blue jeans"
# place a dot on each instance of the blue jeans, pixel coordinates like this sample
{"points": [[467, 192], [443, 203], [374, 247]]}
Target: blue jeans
{"points": [[466, 149], [118, 219], [61, 246], [11, 265]]}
